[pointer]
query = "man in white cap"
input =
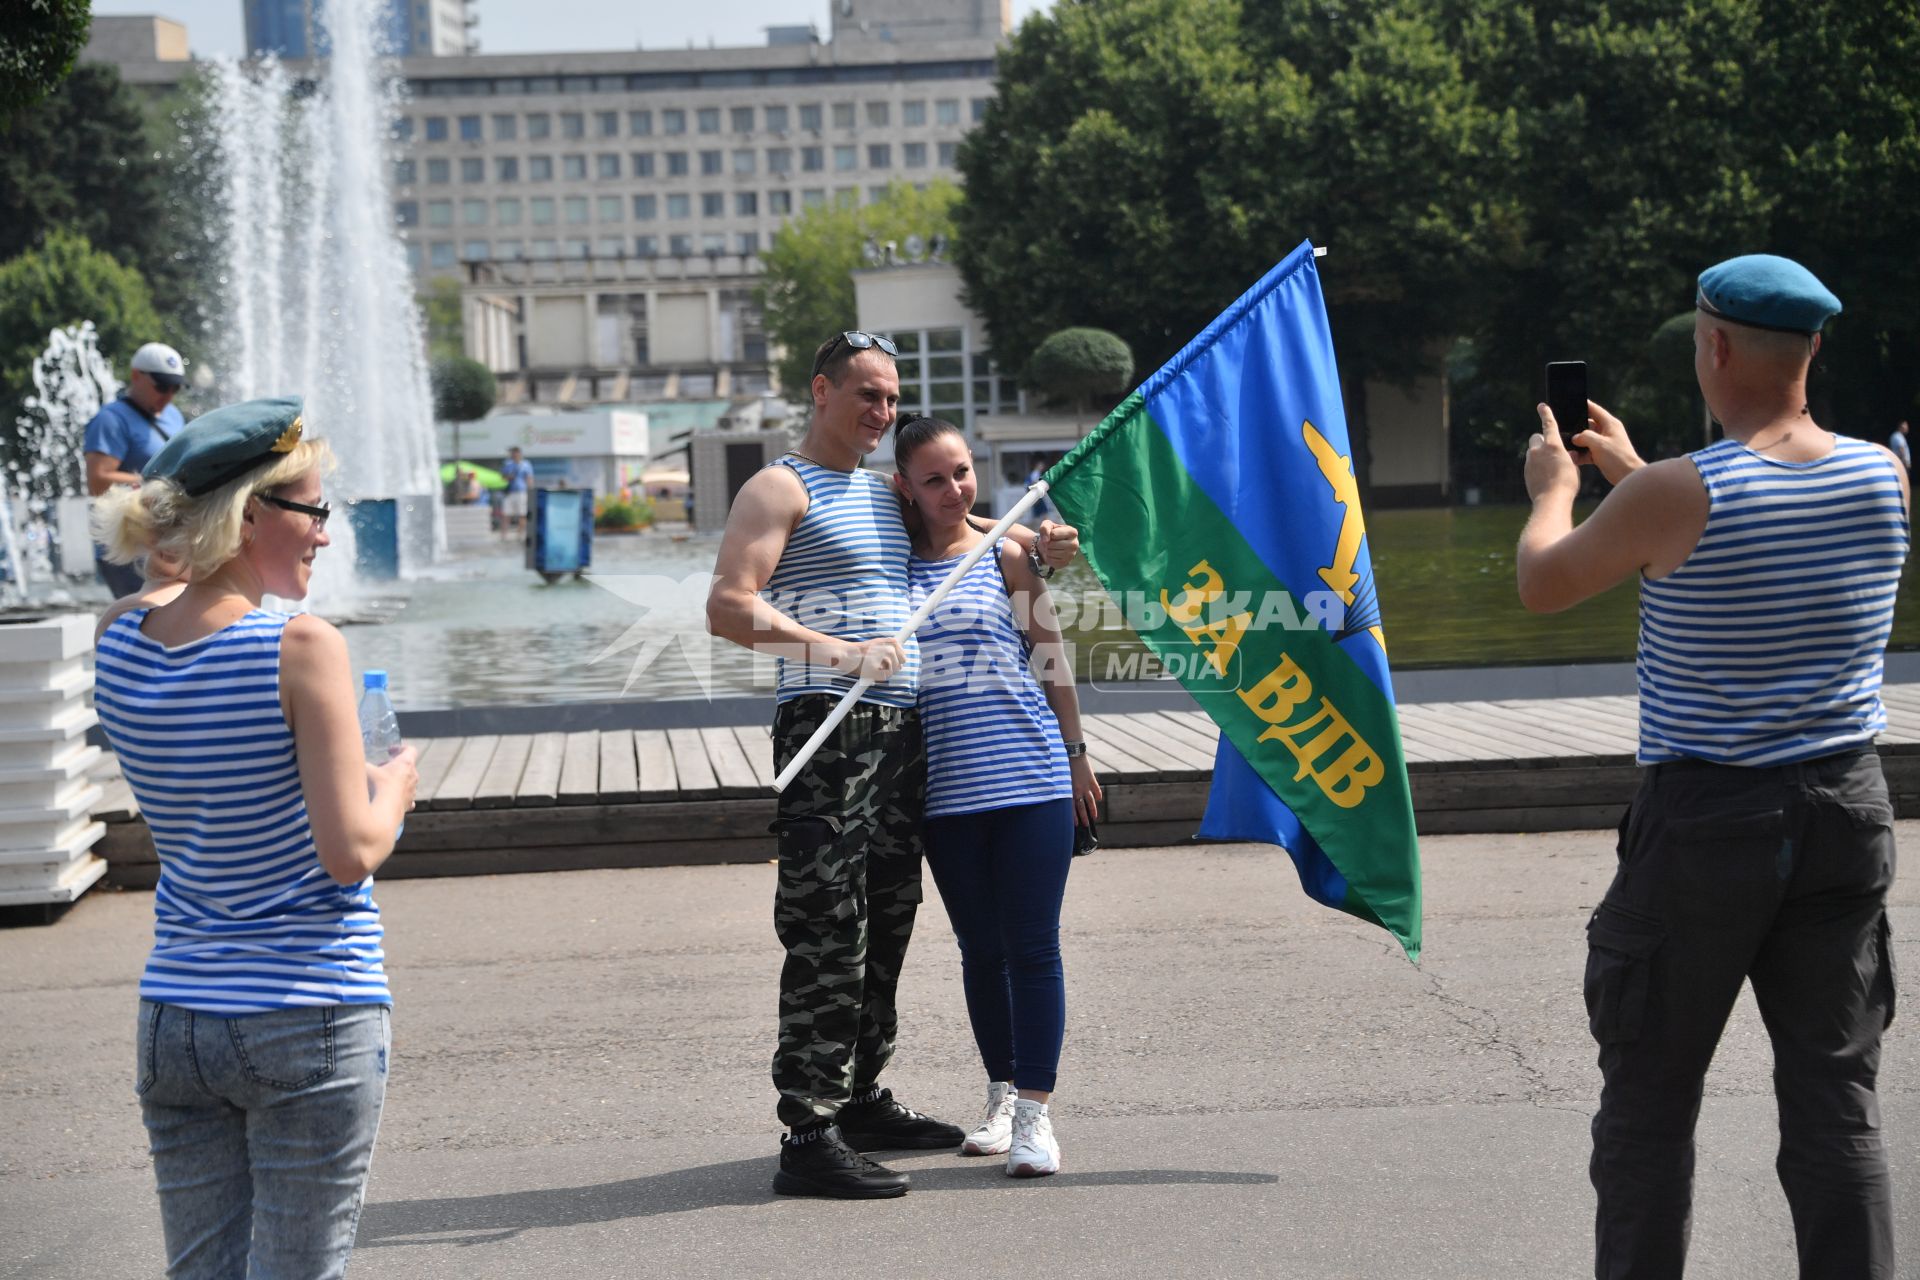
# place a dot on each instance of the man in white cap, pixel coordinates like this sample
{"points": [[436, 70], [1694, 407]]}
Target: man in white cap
{"points": [[123, 437]]}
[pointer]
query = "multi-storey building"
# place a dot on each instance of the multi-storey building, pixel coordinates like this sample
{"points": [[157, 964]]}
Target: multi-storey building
{"points": [[420, 28]]}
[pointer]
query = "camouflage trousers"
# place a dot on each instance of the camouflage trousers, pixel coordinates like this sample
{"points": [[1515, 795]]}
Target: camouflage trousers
{"points": [[849, 830]]}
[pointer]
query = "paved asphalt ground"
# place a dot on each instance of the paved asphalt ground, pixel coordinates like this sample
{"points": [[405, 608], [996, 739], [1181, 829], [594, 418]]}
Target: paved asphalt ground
{"points": [[1252, 1086]]}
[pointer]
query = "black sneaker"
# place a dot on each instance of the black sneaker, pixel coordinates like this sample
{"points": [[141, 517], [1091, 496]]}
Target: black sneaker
{"points": [[822, 1164], [885, 1125]]}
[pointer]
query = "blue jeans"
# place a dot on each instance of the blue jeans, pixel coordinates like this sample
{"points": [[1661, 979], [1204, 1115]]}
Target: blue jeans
{"points": [[1002, 874], [261, 1128]]}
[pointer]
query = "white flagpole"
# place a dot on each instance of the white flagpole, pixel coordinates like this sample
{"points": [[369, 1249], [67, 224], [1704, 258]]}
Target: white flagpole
{"points": [[1034, 493]]}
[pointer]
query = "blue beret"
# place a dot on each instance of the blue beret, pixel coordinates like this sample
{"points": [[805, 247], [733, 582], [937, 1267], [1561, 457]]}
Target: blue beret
{"points": [[1766, 292], [219, 447]]}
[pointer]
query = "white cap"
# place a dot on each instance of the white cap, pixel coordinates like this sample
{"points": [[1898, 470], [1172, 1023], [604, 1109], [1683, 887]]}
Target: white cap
{"points": [[158, 357]]}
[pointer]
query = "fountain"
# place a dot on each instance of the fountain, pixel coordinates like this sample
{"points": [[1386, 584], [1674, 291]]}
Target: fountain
{"points": [[315, 297], [43, 508]]}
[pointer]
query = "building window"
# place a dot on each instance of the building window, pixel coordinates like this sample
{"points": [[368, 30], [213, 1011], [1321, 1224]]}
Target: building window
{"points": [[439, 170], [573, 168], [473, 213], [810, 116], [403, 173], [610, 246], [539, 125], [914, 155], [403, 129], [913, 113], [406, 213], [606, 165], [436, 128], [742, 119], [879, 155], [473, 251], [876, 194], [545, 248], [640, 123], [746, 204], [645, 208], [507, 249], [609, 208], [679, 205], [845, 158], [779, 159], [573, 124], [646, 246], [877, 114], [946, 111], [846, 197], [440, 255], [473, 169], [776, 119], [680, 246], [713, 204], [676, 164], [743, 161], [607, 123], [643, 164], [506, 211], [541, 207], [710, 163], [577, 247], [780, 202], [813, 197], [673, 120], [576, 210], [439, 213], [813, 159], [843, 115], [949, 153], [470, 129], [506, 128], [540, 168], [980, 109], [713, 243], [747, 243], [506, 169], [709, 119]]}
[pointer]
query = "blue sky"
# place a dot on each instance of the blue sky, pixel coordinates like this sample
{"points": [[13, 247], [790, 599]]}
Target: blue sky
{"points": [[543, 26]]}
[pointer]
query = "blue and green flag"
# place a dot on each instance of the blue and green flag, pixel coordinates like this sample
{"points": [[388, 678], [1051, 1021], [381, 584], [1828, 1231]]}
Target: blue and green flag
{"points": [[1223, 491]]}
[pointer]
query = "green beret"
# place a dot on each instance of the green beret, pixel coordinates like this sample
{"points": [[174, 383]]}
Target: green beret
{"points": [[219, 447], [1766, 292]]}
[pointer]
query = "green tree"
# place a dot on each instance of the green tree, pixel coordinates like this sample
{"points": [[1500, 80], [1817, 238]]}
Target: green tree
{"points": [[806, 292], [39, 40], [463, 390], [1078, 366], [446, 329], [63, 282], [84, 161]]}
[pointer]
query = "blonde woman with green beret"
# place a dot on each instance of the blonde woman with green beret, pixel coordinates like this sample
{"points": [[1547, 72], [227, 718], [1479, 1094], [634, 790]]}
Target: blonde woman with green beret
{"points": [[264, 1024]]}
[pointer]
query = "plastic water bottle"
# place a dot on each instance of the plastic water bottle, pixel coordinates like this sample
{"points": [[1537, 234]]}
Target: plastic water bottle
{"points": [[379, 726]]}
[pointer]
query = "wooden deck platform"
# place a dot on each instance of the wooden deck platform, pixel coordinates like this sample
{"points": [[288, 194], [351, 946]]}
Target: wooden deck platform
{"points": [[662, 797]]}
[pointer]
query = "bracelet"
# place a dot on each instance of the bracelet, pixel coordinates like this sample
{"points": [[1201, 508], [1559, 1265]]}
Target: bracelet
{"points": [[1075, 749], [1041, 570]]}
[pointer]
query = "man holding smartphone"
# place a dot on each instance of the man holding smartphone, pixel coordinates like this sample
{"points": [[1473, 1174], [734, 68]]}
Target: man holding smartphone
{"points": [[1760, 844]]}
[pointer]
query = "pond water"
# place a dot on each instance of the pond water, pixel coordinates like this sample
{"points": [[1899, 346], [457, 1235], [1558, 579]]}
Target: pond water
{"points": [[485, 630]]}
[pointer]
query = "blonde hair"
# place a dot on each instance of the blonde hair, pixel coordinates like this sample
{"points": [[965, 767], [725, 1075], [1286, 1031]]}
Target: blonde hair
{"points": [[192, 535]]}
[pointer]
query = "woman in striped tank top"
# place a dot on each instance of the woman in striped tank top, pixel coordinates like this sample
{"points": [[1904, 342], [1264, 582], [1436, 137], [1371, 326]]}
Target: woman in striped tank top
{"points": [[1004, 791], [263, 1030]]}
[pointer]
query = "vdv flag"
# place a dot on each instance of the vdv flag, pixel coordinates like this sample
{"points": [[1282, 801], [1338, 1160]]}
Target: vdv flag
{"points": [[1223, 488]]}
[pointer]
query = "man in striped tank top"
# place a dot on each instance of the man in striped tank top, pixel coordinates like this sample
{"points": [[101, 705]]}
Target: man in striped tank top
{"points": [[813, 570], [1760, 845]]}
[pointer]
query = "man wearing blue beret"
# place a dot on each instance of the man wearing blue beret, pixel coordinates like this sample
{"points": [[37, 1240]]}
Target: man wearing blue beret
{"points": [[1760, 844]]}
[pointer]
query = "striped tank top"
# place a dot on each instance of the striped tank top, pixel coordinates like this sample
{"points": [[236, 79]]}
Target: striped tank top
{"points": [[844, 573], [1766, 646], [992, 740], [245, 918]]}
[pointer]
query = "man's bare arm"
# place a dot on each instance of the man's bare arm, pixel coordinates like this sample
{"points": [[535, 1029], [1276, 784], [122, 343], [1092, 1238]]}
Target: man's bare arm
{"points": [[104, 471]]}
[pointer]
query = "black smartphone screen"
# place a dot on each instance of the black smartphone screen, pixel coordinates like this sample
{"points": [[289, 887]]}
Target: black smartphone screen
{"points": [[1567, 397]]}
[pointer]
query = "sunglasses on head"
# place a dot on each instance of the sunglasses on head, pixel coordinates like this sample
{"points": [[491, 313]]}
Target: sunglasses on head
{"points": [[319, 513], [857, 340]]}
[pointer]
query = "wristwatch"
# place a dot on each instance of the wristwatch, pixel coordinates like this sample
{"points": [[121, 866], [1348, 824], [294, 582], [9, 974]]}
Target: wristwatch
{"points": [[1041, 569], [1075, 749]]}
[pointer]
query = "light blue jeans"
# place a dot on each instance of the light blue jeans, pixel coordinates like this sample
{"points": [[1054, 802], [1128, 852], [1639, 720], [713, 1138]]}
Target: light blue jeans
{"points": [[261, 1128]]}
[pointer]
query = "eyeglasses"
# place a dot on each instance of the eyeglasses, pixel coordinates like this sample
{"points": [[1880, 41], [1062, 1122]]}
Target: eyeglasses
{"points": [[858, 340], [319, 513], [167, 384]]}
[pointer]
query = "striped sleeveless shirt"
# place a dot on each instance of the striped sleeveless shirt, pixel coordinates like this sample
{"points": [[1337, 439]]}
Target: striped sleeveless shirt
{"points": [[844, 573], [245, 918], [992, 740], [1766, 646]]}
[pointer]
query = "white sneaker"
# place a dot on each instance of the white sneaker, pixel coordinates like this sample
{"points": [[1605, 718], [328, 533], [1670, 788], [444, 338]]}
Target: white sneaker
{"points": [[995, 1133], [1033, 1152]]}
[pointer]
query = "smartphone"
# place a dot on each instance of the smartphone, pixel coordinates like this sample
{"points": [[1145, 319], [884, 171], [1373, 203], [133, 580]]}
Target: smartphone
{"points": [[1567, 397], [1085, 839]]}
